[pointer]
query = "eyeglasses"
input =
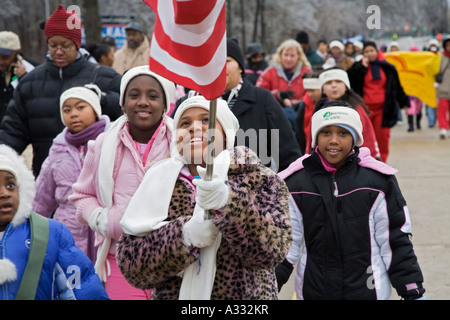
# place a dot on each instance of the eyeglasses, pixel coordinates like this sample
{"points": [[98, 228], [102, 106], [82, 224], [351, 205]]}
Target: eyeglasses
{"points": [[62, 48]]}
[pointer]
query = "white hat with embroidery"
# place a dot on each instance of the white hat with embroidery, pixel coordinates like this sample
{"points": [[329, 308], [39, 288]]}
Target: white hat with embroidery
{"points": [[342, 116]]}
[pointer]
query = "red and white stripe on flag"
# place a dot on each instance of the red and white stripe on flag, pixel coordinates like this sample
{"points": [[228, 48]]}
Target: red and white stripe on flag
{"points": [[188, 44]]}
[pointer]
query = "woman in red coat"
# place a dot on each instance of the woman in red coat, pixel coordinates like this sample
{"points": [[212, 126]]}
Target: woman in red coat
{"points": [[285, 78]]}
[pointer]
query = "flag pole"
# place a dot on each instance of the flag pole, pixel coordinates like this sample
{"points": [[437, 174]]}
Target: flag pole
{"points": [[210, 151]]}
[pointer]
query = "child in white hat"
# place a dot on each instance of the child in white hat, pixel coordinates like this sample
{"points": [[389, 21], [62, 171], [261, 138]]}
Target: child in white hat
{"points": [[115, 165], [39, 259], [313, 94], [170, 246], [335, 85], [81, 114], [350, 222]]}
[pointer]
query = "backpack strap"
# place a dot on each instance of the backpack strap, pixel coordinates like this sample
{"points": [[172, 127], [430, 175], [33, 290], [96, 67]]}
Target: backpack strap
{"points": [[38, 248]]}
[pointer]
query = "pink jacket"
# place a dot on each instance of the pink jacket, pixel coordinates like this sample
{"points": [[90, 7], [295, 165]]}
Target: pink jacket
{"points": [[128, 173], [59, 172]]}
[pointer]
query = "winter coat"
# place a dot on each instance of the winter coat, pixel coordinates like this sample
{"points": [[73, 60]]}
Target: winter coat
{"points": [[33, 114], [274, 79], [303, 123], [59, 172], [128, 173], [314, 59], [443, 91], [253, 70], [395, 98], [351, 230], [256, 236], [67, 273], [127, 58], [7, 89], [62, 253], [259, 113]]}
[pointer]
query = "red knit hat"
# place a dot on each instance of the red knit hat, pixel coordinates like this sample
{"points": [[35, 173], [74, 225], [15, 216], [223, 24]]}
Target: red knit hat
{"points": [[63, 23]]}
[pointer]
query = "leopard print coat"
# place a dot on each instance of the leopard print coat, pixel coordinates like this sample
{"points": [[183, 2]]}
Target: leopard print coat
{"points": [[256, 236]]}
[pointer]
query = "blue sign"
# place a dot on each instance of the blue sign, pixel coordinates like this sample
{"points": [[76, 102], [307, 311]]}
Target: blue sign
{"points": [[114, 26], [117, 31]]}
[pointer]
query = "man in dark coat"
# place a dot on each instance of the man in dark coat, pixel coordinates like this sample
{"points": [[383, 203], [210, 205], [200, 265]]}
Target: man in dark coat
{"points": [[264, 127], [33, 114]]}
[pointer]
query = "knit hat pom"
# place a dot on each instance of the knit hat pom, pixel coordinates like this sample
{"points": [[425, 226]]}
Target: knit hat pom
{"points": [[64, 23]]}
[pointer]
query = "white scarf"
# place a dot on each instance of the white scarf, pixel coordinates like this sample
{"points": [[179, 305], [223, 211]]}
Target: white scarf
{"points": [[105, 184], [149, 208]]}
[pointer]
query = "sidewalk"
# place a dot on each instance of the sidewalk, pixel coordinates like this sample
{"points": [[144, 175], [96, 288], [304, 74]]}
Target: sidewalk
{"points": [[423, 161]]}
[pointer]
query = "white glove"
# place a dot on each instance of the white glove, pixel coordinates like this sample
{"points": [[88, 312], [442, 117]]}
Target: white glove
{"points": [[211, 195], [199, 232], [98, 221]]}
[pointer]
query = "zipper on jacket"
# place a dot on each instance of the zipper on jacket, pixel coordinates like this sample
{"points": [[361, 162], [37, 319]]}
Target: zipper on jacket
{"points": [[335, 187]]}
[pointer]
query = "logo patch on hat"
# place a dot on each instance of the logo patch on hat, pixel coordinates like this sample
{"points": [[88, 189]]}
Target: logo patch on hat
{"points": [[334, 115]]}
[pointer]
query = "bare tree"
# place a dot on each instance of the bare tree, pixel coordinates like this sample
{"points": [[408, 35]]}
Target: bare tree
{"points": [[91, 21]]}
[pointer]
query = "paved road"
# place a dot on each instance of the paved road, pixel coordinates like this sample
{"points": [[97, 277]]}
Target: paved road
{"points": [[423, 161]]}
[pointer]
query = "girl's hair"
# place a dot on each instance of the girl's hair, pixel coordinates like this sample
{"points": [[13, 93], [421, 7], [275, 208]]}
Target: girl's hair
{"points": [[311, 75], [97, 50], [325, 103], [288, 44]]}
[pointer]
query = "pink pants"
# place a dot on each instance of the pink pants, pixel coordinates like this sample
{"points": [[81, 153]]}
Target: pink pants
{"points": [[443, 114], [118, 288], [416, 106]]}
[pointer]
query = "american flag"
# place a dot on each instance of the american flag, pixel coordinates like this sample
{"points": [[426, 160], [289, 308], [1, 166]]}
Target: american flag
{"points": [[188, 44]]}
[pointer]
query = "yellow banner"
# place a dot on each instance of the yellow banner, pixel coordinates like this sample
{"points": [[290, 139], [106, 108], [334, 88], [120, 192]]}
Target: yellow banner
{"points": [[417, 72]]}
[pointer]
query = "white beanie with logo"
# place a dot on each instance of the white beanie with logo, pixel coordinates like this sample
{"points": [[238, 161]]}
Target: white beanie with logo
{"points": [[345, 117]]}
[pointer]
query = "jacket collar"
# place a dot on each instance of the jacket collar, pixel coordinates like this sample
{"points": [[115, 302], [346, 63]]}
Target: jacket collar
{"points": [[245, 99], [66, 72]]}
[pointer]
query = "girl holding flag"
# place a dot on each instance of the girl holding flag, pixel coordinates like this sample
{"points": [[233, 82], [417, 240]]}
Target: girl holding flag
{"points": [[169, 246]]}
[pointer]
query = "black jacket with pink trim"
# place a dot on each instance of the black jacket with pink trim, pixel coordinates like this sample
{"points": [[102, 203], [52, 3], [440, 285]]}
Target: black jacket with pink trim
{"points": [[351, 230]]}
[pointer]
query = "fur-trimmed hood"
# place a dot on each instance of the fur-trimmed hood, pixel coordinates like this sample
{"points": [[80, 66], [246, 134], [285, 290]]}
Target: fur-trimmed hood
{"points": [[26, 185]]}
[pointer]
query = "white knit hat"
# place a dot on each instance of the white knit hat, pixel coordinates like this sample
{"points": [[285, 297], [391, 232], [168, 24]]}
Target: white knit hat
{"points": [[336, 43], [225, 116], [334, 74], [311, 84], [337, 116], [12, 162], [84, 94], [7, 164], [167, 86]]}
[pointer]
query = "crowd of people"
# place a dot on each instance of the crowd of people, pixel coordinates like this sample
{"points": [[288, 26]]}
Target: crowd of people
{"points": [[118, 191]]}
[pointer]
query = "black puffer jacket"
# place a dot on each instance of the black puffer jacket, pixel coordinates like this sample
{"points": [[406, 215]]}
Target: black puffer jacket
{"points": [[351, 230], [33, 114]]}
